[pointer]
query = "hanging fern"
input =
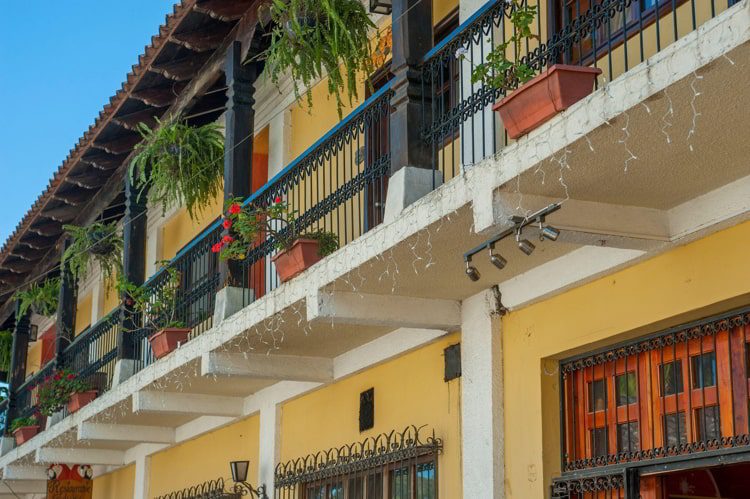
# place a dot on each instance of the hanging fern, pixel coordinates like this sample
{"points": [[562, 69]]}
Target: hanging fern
{"points": [[317, 38], [6, 345], [40, 298], [99, 241], [180, 164]]}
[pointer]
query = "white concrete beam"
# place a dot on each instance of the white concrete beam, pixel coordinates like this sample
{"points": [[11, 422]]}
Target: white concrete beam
{"points": [[125, 433], [260, 366], [80, 456], [23, 487], [589, 222], [187, 403], [24, 472], [383, 310]]}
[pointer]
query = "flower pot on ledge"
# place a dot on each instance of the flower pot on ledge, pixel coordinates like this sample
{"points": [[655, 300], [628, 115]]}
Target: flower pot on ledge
{"points": [[78, 400], [25, 433], [300, 256], [167, 340], [542, 97]]}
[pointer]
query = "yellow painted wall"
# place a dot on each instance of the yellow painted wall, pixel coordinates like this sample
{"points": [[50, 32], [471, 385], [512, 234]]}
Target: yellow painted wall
{"points": [[116, 485], [83, 313], [409, 390], [34, 357], [111, 300], [696, 280], [206, 458], [181, 229]]}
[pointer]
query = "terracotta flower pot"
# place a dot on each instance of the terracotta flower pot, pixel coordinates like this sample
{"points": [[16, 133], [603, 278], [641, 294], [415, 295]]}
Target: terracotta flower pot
{"points": [[78, 400], [539, 99], [167, 340], [299, 257], [25, 433]]}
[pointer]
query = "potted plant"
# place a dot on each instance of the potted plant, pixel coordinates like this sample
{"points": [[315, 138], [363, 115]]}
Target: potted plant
{"points": [[180, 164], [23, 429], [63, 388], [158, 310], [316, 39], [6, 347], [100, 241], [297, 252], [539, 98], [39, 298]]}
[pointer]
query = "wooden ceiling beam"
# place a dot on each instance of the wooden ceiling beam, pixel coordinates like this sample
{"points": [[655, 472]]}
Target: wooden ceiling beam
{"points": [[18, 265], [159, 96], [103, 160], [119, 145], [203, 40], [147, 116], [182, 69], [39, 242], [87, 179], [47, 228], [11, 278], [74, 197], [63, 213], [224, 10]]}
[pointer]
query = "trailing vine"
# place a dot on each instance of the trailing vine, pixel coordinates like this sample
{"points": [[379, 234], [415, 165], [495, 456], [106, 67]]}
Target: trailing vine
{"points": [[313, 39], [179, 164], [40, 298], [99, 241], [6, 345]]}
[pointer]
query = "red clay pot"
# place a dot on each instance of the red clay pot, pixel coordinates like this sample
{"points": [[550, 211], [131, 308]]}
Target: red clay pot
{"points": [[539, 99], [78, 400], [299, 257], [25, 433], [167, 340]]}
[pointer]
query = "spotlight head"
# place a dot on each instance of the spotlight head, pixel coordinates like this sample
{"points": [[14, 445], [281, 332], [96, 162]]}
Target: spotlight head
{"points": [[471, 272], [549, 232], [498, 261], [524, 244]]}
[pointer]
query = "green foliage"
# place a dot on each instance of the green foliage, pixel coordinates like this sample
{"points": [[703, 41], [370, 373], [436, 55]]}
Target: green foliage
{"points": [[180, 164], [315, 38], [40, 298], [99, 240], [6, 345], [21, 422], [157, 306], [247, 223], [55, 391], [498, 71]]}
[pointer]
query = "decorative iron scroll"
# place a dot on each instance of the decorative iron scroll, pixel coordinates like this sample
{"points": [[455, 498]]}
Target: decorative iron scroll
{"points": [[569, 488], [660, 340], [212, 489], [373, 452]]}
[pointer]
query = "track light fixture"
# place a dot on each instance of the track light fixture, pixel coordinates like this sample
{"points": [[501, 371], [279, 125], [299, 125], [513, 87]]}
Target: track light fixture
{"points": [[548, 232], [495, 259], [524, 244], [471, 271]]}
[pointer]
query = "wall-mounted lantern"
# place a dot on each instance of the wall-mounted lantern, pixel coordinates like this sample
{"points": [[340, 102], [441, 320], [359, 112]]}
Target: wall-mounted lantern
{"points": [[239, 477]]}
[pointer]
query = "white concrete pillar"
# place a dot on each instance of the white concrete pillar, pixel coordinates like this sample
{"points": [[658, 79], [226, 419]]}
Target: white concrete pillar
{"points": [[97, 301], [482, 398], [269, 444], [153, 243], [279, 156], [142, 472]]}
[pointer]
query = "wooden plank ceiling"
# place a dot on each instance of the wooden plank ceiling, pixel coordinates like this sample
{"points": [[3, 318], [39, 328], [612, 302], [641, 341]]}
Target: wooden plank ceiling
{"points": [[192, 34]]}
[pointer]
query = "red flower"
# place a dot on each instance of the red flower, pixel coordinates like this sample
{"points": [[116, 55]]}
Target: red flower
{"points": [[216, 248], [227, 239], [227, 224], [235, 208], [58, 377], [71, 376], [277, 200]]}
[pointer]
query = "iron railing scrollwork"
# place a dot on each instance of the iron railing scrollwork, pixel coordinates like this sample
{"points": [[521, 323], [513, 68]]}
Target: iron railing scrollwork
{"points": [[211, 489], [576, 487]]}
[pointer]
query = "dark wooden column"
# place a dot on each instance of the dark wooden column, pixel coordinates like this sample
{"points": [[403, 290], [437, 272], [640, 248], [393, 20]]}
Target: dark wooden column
{"points": [[238, 140], [19, 351], [412, 39], [134, 236], [66, 308]]}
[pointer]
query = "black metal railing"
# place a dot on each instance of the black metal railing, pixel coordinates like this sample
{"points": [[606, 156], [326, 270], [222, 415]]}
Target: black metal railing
{"points": [[211, 489], [680, 393], [25, 397], [613, 35], [402, 463]]}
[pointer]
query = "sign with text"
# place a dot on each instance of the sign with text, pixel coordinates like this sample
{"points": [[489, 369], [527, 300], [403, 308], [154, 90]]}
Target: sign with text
{"points": [[69, 482]]}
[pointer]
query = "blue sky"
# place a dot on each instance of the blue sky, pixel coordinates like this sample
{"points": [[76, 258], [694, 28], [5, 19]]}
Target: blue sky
{"points": [[59, 64]]}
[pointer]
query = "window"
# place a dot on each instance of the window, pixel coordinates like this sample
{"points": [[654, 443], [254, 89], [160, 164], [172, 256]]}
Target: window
{"points": [[708, 423], [704, 370], [597, 395], [627, 437], [599, 442], [426, 486], [671, 378], [329, 491], [369, 487], [414, 482], [626, 386], [401, 484], [675, 431]]}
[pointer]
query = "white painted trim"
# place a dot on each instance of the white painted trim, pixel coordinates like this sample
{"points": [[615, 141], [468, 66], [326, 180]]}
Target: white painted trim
{"points": [[260, 366]]}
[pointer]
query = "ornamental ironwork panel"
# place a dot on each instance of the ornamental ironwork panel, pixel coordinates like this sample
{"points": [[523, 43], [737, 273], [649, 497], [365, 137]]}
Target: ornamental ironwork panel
{"points": [[609, 484], [211, 489], [398, 461], [679, 392]]}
